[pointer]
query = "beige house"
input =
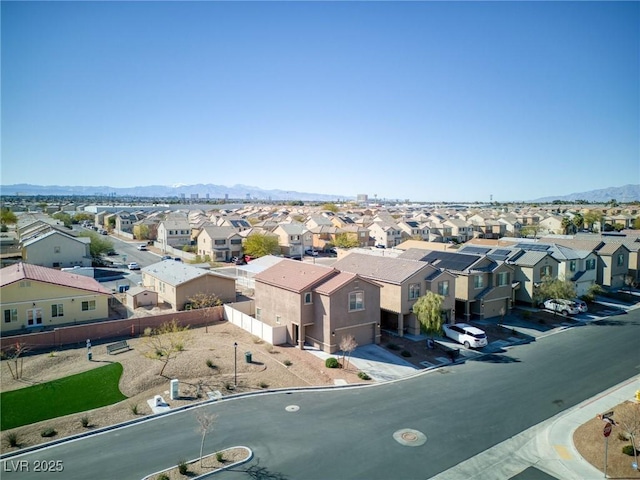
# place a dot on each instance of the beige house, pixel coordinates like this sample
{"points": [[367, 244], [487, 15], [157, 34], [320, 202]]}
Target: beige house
{"points": [[36, 297], [291, 237], [176, 283], [403, 282], [531, 267], [56, 250], [613, 266], [483, 286], [141, 297], [318, 305], [220, 244], [174, 232]]}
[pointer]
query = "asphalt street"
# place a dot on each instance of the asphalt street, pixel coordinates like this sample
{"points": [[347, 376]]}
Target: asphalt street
{"points": [[461, 410]]}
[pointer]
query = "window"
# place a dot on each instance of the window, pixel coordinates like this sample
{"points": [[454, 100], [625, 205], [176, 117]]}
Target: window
{"points": [[478, 281], [258, 313], [503, 279], [545, 271], [443, 288], [572, 266], [57, 310], [236, 241], [414, 291], [220, 242], [307, 298], [88, 305], [591, 264], [11, 315], [620, 259], [278, 319], [356, 301]]}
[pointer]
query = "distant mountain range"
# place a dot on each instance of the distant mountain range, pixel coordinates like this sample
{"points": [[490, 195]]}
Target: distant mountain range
{"points": [[213, 192], [627, 193]]}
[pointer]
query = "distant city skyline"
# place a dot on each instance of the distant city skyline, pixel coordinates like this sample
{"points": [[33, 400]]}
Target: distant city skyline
{"points": [[455, 101]]}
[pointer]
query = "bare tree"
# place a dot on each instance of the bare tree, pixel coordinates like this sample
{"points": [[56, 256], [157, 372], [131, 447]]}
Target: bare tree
{"points": [[14, 355], [628, 419], [348, 344], [165, 342], [204, 302], [206, 421]]}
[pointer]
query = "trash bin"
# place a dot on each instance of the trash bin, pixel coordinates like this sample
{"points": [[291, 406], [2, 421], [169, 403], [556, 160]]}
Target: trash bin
{"points": [[89, 356], [247, 357]]}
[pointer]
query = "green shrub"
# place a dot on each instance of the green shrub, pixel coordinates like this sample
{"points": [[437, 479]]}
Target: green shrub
{"points": [[287, 363], [182, 467], [263, 385], [405, 353], [628, 450], [363, 376], [220, 457], [12, 440], [229, 386], [331, 362], [85, 421], [163, 476], [393, 346], [134, 408], [210, 364], [48, 432]]}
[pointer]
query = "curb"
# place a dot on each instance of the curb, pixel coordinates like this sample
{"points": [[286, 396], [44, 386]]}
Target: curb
{"points": [[204, 475]]}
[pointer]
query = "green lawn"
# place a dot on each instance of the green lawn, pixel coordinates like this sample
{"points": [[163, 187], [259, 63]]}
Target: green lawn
{"points": [[77, 393]]}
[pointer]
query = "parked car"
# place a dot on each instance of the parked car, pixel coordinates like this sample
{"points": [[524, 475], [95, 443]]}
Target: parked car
{"points": [[133, 266], [582, 305], [166, 257], [142, 247], [311, 252], [565, 307], [177, 259], [468, 335]]}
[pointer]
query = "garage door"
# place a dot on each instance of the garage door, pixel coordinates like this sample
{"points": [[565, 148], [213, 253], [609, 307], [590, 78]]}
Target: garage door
{"points": [[364, 334], [492, 309]]}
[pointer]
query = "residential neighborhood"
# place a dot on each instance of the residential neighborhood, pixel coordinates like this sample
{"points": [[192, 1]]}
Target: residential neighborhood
{"points": [[374, 262]]}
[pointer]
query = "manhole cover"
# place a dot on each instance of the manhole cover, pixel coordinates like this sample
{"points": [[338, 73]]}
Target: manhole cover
{"points": [[292, 408], [409, 437]]}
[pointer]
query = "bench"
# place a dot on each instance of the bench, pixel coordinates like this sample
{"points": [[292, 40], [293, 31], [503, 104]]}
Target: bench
{"points": [[115, 347]]}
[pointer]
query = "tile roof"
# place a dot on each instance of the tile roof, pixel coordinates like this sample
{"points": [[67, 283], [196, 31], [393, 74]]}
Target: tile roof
{"points": [[335, 282], [385, 269], [294, 275], [25, 271], [610, 248], [529, 258]]}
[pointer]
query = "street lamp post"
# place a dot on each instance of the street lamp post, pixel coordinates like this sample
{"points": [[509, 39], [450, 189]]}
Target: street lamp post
{"points": [[235, 364]]}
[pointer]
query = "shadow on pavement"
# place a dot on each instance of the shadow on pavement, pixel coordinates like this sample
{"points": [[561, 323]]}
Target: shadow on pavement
{"points": [[494, 358]]}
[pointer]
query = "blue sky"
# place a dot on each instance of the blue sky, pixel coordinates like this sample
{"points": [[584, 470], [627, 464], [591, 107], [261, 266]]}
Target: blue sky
{"points": [[427, 101]]}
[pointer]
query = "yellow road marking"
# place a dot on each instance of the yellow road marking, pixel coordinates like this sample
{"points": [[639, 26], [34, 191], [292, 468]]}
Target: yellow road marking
{"points": [[563, 452]]}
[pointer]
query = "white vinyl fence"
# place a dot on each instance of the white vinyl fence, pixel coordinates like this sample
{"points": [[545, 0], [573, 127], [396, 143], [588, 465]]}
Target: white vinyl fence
{"points": [[273, 335]]}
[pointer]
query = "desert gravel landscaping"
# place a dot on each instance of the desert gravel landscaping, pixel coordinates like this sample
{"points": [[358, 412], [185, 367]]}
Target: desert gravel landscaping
{"points": [[207, 365]]}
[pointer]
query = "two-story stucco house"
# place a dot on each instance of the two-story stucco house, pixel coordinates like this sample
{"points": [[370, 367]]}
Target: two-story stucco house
{"points": [[56, 250], [220, 244], [318, 305], [33, 297], [403, 282], [291, 238], [483, 285], [174, 232]]}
